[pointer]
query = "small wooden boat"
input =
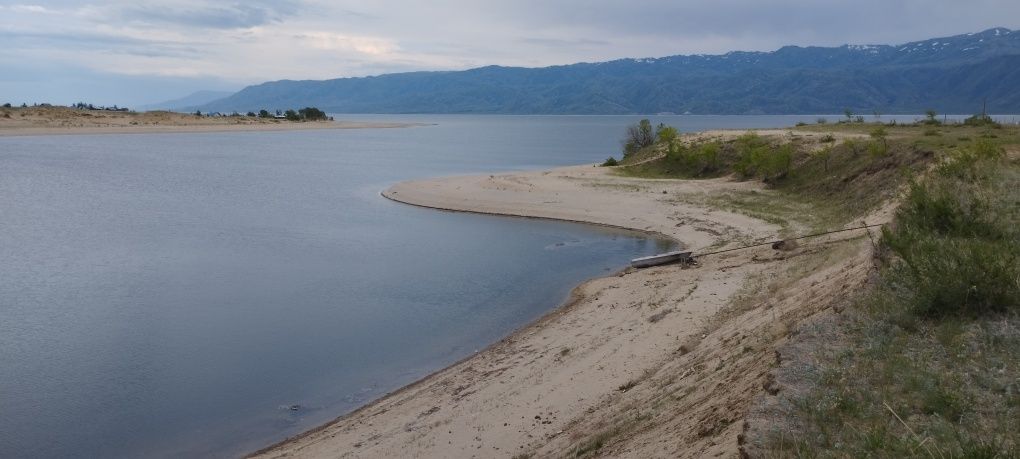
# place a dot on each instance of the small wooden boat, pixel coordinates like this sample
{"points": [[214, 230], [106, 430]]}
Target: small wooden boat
{"points": [[660, 259]]}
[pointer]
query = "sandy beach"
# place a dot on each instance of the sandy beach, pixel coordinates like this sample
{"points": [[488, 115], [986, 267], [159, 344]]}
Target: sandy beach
{"points": [[660, 362], [32, 121]]}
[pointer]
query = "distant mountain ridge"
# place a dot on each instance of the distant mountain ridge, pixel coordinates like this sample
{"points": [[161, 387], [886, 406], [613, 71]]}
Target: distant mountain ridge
{"points": [[950, 74], [194, 99]]}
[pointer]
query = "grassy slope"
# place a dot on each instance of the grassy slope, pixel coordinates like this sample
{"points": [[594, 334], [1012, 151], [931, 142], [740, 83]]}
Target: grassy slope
{"points": [[926, 363]]}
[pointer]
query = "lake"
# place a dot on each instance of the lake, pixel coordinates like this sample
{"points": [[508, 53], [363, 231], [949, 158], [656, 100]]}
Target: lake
{"points": [[169, 295]]}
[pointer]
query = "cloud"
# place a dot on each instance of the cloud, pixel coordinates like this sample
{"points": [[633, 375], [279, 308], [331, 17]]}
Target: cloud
{"points": [[29, 9], [233, 43], [330, 41], [562, 42], [216, 16]]}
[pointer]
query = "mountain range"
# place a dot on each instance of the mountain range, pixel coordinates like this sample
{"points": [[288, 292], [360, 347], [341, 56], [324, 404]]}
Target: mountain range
{"points": [[951, 75], [188, 101]]}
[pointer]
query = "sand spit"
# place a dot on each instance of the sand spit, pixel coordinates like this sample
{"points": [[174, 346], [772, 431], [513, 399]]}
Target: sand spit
{"points": [[64, 121], [661, 362]]}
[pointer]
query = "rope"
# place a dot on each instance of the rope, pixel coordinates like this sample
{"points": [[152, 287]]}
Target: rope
{"points": [[790, 239]]}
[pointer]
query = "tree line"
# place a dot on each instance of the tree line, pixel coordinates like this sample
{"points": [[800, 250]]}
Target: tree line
{"points": [[303, 114]]}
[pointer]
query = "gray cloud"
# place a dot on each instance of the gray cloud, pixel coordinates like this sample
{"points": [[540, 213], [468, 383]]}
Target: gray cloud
{"points": [[203, 44], [97, 42], [219, 16], [559, 42]]}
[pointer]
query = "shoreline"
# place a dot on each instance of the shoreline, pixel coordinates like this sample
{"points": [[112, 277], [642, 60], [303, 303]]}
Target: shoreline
{"points": [[48, 120], [645, 232], [31, 131], [391, 423], [572, 298]]}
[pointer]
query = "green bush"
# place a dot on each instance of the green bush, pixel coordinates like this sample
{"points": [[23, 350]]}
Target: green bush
{"points": [[638, 136], [981, 120], [957, 244], [757, 158], [610, 162]]}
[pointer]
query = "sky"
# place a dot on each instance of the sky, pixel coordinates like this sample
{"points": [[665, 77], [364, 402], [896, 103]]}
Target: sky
{"points": [[138, 52]]}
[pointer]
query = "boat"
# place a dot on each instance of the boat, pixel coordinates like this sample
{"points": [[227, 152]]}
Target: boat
{"points": [[660, 259]]}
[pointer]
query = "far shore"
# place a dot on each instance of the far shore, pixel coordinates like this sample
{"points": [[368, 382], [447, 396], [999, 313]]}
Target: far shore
{"points": [[39, 121]]}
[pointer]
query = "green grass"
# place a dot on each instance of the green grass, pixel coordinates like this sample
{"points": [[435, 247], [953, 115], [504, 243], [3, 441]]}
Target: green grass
{"points": [[928, 367], [815, 185]]}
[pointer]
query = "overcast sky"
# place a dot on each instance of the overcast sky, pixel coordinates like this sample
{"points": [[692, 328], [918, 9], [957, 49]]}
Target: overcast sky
{"points": [[134, 52]]}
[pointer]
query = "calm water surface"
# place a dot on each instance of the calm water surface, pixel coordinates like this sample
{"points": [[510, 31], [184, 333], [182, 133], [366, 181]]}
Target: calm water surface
{"points": [[168, 295]]}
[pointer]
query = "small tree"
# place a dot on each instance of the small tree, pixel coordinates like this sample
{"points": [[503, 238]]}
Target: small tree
{"points": [[198, 112], [638, 136], [825, 154], [666, 134], [852, 145], [250, 114], [264, 114], [709, 156], [880, 146], [291, 115], [848, 114], [776, 162], [930, 117]]}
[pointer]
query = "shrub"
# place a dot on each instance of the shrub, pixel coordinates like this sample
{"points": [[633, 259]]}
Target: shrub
{"points": [[610, 162], [666, 134], [757, 158], [638, 136], [708, 156], [852, 146], [930, 118], [876, 149], [827, 138], [981, 120], [958, 247], [822, 121]]}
